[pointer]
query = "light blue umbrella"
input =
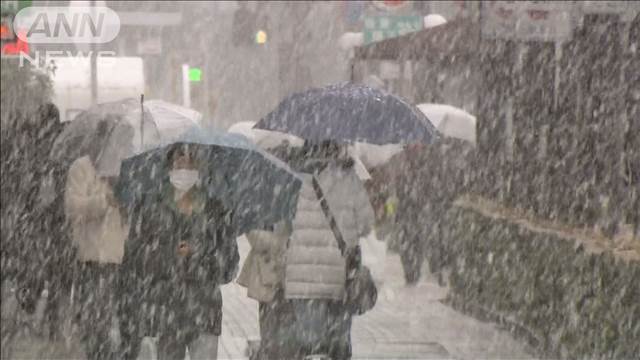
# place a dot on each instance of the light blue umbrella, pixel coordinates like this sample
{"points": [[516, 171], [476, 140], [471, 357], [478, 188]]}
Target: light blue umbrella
{"points": [[259, 188]]}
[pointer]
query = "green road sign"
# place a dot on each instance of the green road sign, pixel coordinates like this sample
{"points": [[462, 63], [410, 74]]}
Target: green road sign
{"points": [[377, 28], [195, 74]]}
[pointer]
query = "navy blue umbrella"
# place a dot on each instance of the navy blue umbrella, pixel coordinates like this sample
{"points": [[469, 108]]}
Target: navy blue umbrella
{"points": [[259, 188], [350, 113]]}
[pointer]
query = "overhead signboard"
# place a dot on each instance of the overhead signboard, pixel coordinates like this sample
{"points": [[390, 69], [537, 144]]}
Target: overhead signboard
{"points": [[626, 9], [391, 5], [526, 20], [605, 7], [378, 28], [451, 10]]}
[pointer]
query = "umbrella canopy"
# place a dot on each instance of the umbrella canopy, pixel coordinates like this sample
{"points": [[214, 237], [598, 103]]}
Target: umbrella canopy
{"points": [[271, 139], [172, 120], [112, 131], [258, 187], [349, 113], [451, 121], [117, 130], [375, 155], [244, 128], [263, 138]]}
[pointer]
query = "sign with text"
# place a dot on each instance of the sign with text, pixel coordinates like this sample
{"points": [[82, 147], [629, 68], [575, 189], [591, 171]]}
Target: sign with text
{"points": [[526, 20], [378, 28]]}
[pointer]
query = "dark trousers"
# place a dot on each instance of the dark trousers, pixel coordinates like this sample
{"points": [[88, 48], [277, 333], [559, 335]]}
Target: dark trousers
{"points": [[411, 253], [293, 329], [95, 308], [176, 325]]}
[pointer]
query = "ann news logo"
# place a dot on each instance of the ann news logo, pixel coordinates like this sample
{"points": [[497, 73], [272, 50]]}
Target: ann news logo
{"points": [[66, 25]]}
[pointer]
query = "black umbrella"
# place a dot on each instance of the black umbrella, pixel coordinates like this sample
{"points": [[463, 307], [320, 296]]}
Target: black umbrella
{"points": [[259, 188], [350, 113]]}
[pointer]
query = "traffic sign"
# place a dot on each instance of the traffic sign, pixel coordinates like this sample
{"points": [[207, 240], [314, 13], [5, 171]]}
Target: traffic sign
{"points": [[378, 28], [195, 74]]}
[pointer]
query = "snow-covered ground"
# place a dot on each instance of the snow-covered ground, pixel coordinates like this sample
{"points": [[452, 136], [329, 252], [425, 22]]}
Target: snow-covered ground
{"points": [[406, 323]]}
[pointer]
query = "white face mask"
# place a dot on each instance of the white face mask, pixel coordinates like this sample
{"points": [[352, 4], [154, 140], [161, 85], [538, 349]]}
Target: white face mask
{"points": [[184, 179]]}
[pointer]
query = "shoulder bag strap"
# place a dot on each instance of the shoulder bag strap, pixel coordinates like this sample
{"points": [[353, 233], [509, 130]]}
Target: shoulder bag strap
{"points": [[327, 213]]}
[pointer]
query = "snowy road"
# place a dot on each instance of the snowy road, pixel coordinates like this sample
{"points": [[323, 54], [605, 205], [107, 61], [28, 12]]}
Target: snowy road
{"points": [[407, 323]]}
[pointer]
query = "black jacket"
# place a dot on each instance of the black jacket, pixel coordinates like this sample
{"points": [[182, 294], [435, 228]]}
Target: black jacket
{"points": [[154, 274]]}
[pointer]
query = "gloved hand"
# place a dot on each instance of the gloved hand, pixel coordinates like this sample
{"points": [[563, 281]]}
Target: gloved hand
{"points": [[28, 299]]}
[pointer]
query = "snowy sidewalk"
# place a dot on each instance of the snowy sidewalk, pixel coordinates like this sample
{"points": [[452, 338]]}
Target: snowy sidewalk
{"points": [[407, 323]]}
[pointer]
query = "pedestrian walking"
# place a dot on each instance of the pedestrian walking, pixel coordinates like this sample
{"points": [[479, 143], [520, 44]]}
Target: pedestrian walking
{"points": [[430, 180], [38, 245], [325, 284], [50, 227], [181, 249], [98, 234], [263, 276], [411, 204]]}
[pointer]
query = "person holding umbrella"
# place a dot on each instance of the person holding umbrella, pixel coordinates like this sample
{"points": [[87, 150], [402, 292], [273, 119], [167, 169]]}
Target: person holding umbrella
{"points": [[181, 248], [357, 113], [98, 234], [322, 284]]}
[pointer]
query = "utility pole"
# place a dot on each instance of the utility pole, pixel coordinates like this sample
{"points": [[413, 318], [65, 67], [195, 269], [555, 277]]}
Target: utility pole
{"points": [[186, 86]]}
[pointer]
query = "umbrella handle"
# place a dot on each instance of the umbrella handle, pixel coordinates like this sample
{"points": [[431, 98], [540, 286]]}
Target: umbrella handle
{"points": [[141, 122]]}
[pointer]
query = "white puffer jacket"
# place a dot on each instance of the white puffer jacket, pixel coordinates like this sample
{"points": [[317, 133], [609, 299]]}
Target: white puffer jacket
{"points": [[315, 268]]}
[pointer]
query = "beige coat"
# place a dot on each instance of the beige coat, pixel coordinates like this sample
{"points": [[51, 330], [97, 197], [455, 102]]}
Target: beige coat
{"points": [[263, 270], [315, 267], [99, 232]]}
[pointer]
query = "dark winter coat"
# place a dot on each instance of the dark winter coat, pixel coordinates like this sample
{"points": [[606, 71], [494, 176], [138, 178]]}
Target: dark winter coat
{"points": [[158, 283], [34, 231]]}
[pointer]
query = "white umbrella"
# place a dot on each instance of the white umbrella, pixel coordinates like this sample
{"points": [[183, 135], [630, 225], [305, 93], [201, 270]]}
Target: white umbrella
{"points": [[172, 120], [451, 121], [129, 133], [264, 139], [433, 20], [244, 128], [373, 155]]}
